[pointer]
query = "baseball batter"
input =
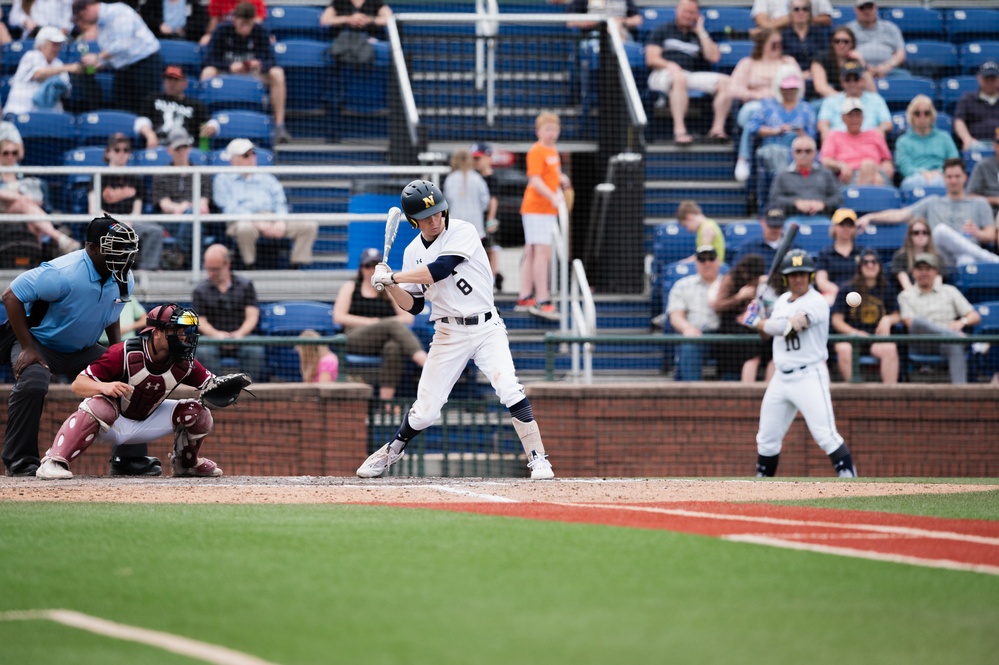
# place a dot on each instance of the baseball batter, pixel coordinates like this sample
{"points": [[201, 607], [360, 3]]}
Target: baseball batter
{"points": [[799, 325], [125, 395], [447, 265]]}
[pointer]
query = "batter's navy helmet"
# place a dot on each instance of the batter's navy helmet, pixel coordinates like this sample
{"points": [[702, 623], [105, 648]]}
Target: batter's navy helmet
{"points": [[797, 260], [421, 199]]}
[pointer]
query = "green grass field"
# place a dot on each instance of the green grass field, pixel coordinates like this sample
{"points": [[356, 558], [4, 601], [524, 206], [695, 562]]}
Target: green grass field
{"points": [[297, 584]]}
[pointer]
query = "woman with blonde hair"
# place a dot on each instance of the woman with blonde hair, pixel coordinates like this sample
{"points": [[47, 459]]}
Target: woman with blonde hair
{"points": [[316, 362], [920, 152], [468, 197]]}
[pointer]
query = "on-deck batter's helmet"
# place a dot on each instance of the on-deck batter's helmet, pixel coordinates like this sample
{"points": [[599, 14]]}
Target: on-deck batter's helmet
{"points": [[421, 199], [182, 320], [797, 260], [117, 243]]}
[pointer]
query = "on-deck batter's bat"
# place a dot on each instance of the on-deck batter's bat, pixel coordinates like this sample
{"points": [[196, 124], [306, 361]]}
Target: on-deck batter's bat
{"points": [[391, 228], [785, 244]]}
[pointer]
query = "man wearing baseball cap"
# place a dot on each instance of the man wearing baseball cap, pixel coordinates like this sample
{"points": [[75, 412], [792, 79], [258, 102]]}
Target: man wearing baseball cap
{"points": [[772, 222], [858, 157], [170, 108], [691, 314], [876, 113], [879, 42], [976, 116], [26, 86]]}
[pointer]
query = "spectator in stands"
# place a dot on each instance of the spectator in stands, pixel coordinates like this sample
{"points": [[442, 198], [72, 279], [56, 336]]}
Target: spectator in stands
{"points": [[985, 176], [482, 159], [132, 320], [779, 14], [837, 263], [468, 198], [244, 46], [753, 81], [228, 309], [539, 211], [780, 120], [738, 288], [23, 195], [803, 38], [368, 16], [706, 231], [169, 109], [918, 240], [805, 187], [876, 315], [959, 223], [857, 157], [976, 116], [879, 41], [828, 65], [243, 193], [29, 17], [224, 10], [931, 308], [41, 80], [127, 45], [5, 37], [177, 19], [920, 152], [772, 222], [623, 12], [376, 326], [317, 363], [691, 315], [876, 113], [173, 194], [679, 56], [121, 196]]}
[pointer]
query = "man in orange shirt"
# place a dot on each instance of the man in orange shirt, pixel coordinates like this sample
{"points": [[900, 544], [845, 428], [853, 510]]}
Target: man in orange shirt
{"points": [[539, 211]]}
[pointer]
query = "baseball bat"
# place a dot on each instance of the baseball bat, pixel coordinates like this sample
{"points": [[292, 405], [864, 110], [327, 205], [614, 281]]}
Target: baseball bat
{"points": [[391, 228], [785, 244]]}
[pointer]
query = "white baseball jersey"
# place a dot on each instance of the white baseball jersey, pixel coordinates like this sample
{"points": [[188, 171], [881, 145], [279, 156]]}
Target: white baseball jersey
{"points": [[811, 344], [469, 291]]}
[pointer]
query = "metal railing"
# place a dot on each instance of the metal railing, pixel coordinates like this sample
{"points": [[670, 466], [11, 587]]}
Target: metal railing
{"points": [[584, 321]]}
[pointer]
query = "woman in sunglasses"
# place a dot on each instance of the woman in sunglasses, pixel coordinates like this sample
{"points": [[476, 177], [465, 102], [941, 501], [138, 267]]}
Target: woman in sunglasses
{"points": [[918, 240], [826, 66], [920, 152]]}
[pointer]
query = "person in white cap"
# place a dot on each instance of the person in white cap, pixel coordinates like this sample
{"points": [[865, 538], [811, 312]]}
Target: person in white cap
{"points": [[41, 68], [250, 193], [858, 157]]}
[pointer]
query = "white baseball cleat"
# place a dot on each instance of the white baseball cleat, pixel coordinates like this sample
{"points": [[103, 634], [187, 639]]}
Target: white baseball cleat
{"points": [[50, 469], [378, 461], [541, 468]]}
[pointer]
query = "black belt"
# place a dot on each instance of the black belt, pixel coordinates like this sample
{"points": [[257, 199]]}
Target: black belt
{"points": [[468, 321], [791, 371]]}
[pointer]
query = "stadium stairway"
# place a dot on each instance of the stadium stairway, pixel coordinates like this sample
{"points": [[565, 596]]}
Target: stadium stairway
{"points": [[702, 173]]}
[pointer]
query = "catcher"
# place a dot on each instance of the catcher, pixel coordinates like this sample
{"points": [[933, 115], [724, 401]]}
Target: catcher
{"points": [[125, 397]]}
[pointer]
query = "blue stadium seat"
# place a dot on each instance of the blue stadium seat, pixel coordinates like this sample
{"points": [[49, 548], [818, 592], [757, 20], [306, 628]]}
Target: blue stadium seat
{"points": [[964, 25], [11, 54], [912, 195], [308, 72], [186, 54], [870, 198], [243, 125], [77, 186], [739, 232], [296, 22], [290, 318], [915, 22], [47, 136], [973, 54], [728, 22], [950, 90], [363, 89], [72, 51], [731, 53], [899, 91], [653, 17], [885, 239], [671, 242], [978, 281], [972, 157], [232, 92], [96, 127], [362, 235], [931, 58], [986, 365], [265, 157], [813, 236]]}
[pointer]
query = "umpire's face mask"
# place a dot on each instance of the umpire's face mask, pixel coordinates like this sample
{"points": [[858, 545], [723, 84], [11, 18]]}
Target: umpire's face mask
{"points": [[119, 247]]}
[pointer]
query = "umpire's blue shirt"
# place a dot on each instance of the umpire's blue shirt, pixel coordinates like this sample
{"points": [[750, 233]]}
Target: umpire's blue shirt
{"points": [[81, 303]]}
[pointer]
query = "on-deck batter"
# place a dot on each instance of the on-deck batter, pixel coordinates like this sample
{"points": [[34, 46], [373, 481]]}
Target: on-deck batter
{"points": [[447, 265], [799, 325]]}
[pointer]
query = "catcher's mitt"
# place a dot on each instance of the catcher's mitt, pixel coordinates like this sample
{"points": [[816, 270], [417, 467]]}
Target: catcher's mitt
{"points": [[223, 391]]}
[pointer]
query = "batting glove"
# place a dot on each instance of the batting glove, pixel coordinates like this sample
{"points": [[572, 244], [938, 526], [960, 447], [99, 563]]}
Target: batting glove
{"points": [[383, 275]]}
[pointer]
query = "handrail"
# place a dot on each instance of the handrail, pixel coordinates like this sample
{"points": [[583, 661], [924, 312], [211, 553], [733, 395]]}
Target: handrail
{"points": [[584, 320], [405, 88], [636, 110], [560, 264]]}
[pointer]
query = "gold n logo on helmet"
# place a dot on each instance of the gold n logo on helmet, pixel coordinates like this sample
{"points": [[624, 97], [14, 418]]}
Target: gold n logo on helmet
{"points": [[428, 201], [797, 260]]}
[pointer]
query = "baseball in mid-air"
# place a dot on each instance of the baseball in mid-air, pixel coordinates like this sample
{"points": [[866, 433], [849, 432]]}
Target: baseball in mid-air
{"points": [[853, 299]]}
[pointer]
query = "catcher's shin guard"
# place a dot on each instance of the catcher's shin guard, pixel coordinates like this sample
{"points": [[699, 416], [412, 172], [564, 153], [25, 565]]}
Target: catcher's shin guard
{"points": [[530, 437], [95, 414], [191, 424]]}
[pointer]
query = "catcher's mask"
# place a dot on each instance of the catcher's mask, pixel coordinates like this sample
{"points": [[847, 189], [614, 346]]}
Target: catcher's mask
{"points": [[117, 243], [798, 260], [421, 199], [181, 325]]}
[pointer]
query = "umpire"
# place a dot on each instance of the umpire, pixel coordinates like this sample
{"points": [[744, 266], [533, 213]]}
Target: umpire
{"points": [[56, 313]]}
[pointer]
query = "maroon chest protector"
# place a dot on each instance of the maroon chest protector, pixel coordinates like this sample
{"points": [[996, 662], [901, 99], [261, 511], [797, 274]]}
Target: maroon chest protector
{"points": [[150, 386]]}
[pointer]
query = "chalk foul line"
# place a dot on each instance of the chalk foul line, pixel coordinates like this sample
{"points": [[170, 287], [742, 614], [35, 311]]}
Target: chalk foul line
{"points": [[209, 653]]}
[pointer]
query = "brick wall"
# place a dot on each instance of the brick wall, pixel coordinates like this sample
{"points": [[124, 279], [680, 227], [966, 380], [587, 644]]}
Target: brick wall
{"points": [[630, 430]]}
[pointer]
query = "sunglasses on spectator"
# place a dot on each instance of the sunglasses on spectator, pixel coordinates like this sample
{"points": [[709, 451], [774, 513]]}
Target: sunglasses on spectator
{"points": [[871, 262], [843, 41], [706, 256], [804, 151], [9, 153], [121, 149], [925, 112], [801, 9], [920, 232], [851, 78]]}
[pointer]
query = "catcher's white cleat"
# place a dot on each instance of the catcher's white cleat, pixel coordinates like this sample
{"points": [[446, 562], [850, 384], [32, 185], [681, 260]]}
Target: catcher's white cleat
{"points": [[203, 468], [541, 468], [378, 461], [50, 469]]}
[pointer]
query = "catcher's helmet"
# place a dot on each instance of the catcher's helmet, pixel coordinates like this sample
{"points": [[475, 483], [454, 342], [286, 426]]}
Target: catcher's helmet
{"points": [[421, 199], [797, 260], [117, 243], [182, 321]]}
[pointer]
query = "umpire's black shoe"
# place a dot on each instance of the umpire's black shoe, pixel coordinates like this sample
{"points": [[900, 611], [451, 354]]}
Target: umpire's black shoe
{"points": [[22, 468], [136, 466]]}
